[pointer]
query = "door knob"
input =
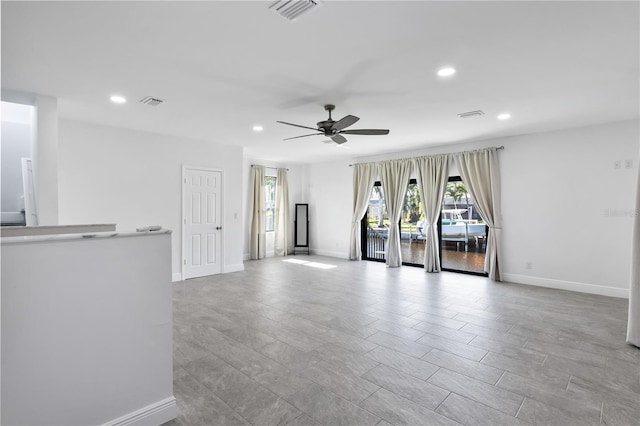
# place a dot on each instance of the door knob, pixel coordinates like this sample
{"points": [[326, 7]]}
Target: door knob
{"points": [[218, 227]]}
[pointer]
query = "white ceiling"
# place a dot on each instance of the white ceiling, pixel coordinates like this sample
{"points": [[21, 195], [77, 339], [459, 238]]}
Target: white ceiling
{"points": [[223, 67]]}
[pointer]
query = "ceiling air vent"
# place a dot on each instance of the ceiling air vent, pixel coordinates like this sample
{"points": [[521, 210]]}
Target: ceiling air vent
{"points": [[470, 114], [292, 9], [151, 101]]}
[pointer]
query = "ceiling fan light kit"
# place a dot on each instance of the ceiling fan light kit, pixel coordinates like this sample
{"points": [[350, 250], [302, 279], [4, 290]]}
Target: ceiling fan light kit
{"points": [[334, 129]]}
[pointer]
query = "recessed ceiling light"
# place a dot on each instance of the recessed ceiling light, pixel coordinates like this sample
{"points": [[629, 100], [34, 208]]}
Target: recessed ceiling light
{"points": [[258, 128], [446, 72], [117, 99], [504, 116]]}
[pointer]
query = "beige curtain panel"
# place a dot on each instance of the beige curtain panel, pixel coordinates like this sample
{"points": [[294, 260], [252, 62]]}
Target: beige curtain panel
{"points": [[258, 238], [432, 174], [394, 176], [284, 245], [363, 176], [480, 173], [633, 328]]}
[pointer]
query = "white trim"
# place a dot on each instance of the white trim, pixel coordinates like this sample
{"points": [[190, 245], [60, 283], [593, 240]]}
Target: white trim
{"points": [[245, 256], [154, 414], [233, 268], [568, 285], [176, 276], [183, 218]]}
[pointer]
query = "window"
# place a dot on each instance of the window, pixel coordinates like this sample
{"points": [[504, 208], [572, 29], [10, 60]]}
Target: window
{"points": [[270, 202]]}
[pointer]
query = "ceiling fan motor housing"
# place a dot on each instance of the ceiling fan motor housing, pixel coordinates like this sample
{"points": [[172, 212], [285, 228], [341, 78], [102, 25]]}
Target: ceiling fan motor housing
{"points": [[326, 127]]}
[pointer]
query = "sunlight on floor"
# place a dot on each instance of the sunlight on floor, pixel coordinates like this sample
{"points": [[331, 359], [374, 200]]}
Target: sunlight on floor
{"points": [[311, 264]]}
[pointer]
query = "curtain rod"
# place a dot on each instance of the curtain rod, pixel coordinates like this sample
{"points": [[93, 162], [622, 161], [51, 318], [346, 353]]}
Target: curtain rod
{"points": [[497, 148], [269, 167]]}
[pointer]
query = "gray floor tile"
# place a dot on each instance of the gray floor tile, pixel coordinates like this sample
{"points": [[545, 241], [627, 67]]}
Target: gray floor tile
{"points": [[426, 319], [530, 356], [464, 366], [197, 405], [449, 333], [620, 414], [405, 363], [507, 338], [500, 399], [399, 344], [252, 347], [328, 408], [447, 345], [397, 330], [348, 386], [303, 420], [580, 405], [407, 386], [405, 321], [249, 336], [628, 380], [472, 413], [566, 352], [483, 322], [400, 411], [538, 413], [553, 378]]}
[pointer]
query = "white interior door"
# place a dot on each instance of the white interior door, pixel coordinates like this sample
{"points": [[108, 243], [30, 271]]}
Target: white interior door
{"points": [[202, 222]]}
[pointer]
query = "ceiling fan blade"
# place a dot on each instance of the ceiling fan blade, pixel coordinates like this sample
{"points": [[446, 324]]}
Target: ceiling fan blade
{"points": [[345, 122], [303, 136], [297, 125], [339, 139], [366, 132]]}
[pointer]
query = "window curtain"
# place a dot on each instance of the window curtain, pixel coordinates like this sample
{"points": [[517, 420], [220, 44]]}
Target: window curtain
{"points": [[394, 176], [432, 174], [257, 244], [363, 175], [283, 224], [633, 327], [481, 175]]}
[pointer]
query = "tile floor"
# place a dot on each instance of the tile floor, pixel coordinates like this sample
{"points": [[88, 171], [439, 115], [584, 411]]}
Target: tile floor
{"points": [[287, 343]]}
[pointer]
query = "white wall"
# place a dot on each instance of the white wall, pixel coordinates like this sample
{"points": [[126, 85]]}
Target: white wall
{"points": [[565, 208], [133, 179], [297, 194], [86, 335], [330, 208]]}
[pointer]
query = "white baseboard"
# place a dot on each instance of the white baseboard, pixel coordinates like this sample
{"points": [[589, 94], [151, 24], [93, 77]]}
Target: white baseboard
{"points": [[338, 254], [568, 285], [153, 414], [233, 268], [246, 256], [176, 276]]}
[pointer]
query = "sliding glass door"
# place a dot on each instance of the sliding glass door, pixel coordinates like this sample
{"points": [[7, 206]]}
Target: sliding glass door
{"points": [[375, 227], [463, 233]]}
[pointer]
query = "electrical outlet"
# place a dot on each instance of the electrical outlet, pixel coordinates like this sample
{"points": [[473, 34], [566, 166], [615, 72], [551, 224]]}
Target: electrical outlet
{"points": [[617, 164], [529, 265], [628, 164]]}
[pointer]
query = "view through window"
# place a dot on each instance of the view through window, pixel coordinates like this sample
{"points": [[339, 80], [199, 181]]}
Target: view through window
{"points": [[461, 229], [270, 203]]}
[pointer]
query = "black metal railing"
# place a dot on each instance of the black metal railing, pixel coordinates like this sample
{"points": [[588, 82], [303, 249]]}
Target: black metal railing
{"points": [[376, 244]]}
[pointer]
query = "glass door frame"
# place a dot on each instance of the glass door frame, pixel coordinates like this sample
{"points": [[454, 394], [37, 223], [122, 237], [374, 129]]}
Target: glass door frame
{"points": [[440, 242]]}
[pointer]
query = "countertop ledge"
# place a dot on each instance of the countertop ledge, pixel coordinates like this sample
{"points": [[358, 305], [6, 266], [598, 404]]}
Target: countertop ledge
{"points": [[75, 237]]}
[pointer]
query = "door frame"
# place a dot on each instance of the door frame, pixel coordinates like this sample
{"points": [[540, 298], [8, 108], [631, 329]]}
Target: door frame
{"points": [[183, 219]]}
